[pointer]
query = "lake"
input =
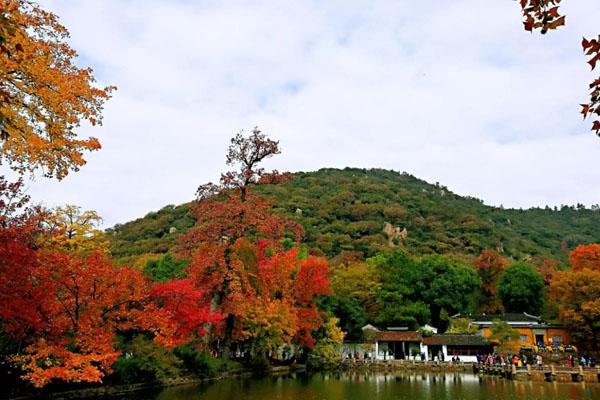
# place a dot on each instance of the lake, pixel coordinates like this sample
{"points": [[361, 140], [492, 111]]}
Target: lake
{"points": [[375, 386]]}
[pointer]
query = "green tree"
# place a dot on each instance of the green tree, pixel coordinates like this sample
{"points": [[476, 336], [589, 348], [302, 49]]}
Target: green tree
{"points": [[503, 333], [145, 361], [351, 314], [521, 289], [413, 293], [397, 299], [446, 285], [165, 268]]}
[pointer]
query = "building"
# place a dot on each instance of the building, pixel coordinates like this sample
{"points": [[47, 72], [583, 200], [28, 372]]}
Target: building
{"points": [[466, 347], [398, 344], [404, 344], [532, 329], [401, 344]]}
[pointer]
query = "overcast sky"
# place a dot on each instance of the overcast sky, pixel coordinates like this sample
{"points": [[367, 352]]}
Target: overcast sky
{"points": [[452, 91]]}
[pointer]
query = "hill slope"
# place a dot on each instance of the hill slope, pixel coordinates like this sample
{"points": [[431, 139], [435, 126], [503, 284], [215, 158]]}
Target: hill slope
{"points": [[373, 210]]}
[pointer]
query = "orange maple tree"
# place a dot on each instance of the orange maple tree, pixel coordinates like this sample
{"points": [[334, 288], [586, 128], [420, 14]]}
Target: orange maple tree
{"points": [[577, 293], [44, 95], [585, 257], [545, 15]]}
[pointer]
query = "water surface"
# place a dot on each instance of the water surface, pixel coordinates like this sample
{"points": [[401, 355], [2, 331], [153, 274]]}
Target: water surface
{"points": [[375, 387]]}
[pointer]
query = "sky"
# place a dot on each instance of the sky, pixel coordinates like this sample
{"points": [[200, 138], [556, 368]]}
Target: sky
{"points": [[451, 91]]}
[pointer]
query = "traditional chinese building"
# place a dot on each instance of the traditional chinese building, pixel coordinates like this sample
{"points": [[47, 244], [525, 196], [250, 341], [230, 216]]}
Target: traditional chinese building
{"points": [[466, 347], [532, 329], [397, 344]]}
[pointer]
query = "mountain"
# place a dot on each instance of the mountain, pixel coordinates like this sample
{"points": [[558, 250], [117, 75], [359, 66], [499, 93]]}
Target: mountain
{"points": [[371, 210]]}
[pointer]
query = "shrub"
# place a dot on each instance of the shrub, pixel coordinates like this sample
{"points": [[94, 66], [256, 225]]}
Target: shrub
{"points": [[199, 363], [145, 361]]}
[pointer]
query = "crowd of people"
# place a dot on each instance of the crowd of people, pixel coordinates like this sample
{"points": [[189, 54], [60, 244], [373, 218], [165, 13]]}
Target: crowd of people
{"points": [[521, 360]]}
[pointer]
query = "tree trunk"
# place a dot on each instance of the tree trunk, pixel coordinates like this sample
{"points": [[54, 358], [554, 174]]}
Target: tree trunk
{"points": [[229, 324]]}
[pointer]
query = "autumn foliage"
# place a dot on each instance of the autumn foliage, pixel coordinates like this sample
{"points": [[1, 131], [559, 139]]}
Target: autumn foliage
{"points": [[592, 49], [578, 294], [67, 304], [585, 257], [66, 308], [267, 295], [44, 95], [545, 15], [541, 14], [489, 265], [189, 314]]}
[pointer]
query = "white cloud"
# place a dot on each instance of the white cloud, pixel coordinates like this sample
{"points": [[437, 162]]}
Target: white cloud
{"points": [[450, 90]]}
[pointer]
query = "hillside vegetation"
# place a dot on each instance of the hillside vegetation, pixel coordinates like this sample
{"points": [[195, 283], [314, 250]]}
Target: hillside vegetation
{"points": [[373, 210]]}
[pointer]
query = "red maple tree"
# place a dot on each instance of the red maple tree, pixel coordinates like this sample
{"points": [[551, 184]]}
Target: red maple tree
{"points": [[235, 241], [585, 256]]}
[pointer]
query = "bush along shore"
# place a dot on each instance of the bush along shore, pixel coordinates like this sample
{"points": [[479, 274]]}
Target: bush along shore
{"points": [[231, 370]]}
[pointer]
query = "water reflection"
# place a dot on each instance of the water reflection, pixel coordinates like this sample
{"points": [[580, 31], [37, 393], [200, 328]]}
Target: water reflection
{"points": [[372, 386]]}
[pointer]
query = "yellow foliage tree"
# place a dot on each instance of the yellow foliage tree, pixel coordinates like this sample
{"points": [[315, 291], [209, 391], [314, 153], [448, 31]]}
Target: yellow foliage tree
{"points": [[44, 96], [325, 354], [73, 229], [357, 280]]}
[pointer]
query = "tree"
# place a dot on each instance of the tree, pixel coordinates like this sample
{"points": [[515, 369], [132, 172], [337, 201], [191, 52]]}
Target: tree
{"points": [[84, 303], [398, 301], [521, 289], [445, 285], [503, 334], [578, 295], [416, 292], [166, 268], [75, 230], [489, 265], [44, 95], [189, 314], [547, 267], [359, 283], [325, 354], [462, 326], [235, 243], [585, 256], [544, 15], [351, 314]]}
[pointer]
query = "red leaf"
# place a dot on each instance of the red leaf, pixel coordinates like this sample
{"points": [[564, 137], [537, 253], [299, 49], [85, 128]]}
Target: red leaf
{"points": [[557, 22]]}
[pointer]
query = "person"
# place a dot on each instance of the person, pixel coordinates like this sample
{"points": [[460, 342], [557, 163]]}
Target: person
{"points": [[592, 362], [583, 361], [570, 361], [539, 361], [422, 356]]}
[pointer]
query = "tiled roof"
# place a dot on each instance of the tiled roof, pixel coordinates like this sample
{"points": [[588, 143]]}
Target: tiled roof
{"points": [[456, 340], [508, 317], [398, 336]]}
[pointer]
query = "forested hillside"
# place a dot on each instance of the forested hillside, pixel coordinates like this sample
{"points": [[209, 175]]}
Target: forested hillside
{"points": [[348, 210]]}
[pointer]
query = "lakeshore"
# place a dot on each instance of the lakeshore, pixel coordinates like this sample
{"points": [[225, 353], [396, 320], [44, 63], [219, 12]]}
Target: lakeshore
{"points": [[548, 373]]}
